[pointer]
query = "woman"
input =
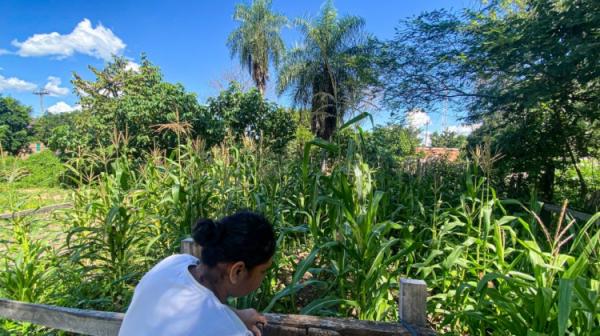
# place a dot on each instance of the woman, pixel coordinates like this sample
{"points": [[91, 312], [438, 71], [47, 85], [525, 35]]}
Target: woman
{"points": [[184, 296]]}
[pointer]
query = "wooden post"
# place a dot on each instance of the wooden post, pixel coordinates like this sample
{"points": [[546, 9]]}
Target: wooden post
{"points": [[188, 246], [412, 307]]}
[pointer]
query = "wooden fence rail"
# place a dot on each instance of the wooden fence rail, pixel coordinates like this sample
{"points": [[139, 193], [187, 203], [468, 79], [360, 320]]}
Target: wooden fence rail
{"points": [[86, 322], [38, 211], [578, 215], [98, 323]]}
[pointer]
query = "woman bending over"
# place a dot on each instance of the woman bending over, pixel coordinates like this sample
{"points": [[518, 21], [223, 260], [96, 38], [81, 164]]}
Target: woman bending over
{"points": [[183, 296]]}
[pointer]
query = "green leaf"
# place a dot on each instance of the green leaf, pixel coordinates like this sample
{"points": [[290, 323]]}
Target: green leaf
{"points": [[565, 294], [357, 119], [583, 260], [325, 303]]}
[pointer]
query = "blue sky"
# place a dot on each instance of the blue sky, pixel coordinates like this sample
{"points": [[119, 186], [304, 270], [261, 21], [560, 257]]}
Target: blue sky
{"points": [[43, 42]]}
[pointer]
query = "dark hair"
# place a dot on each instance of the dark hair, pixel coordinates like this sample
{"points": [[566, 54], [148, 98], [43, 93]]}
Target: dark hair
{"points": [[244, 236]]}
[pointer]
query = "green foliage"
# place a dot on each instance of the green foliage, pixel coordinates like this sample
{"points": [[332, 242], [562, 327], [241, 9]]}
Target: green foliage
{"points": [[65, 139], [102, 236], [448, 139], [346, 233], [136, 103], [388, 146], [37, 170], [43, 127], [257, 40], [29, 271], [567, 186], [43, 170], [14, 122], [249, 114], [560, 297], [138, 112]]}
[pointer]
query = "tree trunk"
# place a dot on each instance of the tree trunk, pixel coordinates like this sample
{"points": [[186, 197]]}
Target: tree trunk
{"points": [[260, 77], [574, 160], [547, 181], [324, 109], [582, 185]]}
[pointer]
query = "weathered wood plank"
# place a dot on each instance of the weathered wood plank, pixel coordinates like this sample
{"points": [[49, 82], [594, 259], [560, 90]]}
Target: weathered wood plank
{"points": [[97, 323], [578, 215], [412, 305], [189, 246], [38, 211], [321, 332], [87, 322], [345, 327], [273, 330]]}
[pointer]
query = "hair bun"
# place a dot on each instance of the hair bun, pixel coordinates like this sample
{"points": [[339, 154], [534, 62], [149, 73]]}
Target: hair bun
{"points": [[206, 232]]}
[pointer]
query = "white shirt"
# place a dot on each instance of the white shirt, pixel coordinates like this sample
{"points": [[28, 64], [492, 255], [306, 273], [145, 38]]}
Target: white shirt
{"points": [[169, 301]]}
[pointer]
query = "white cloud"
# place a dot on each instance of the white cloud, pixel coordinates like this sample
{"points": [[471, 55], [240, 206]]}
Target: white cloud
{"points": [[4, 52], [62, 107], [53, 87], [464, 129], [15, 84], [132, 66], [417, 119], [99, 42]]}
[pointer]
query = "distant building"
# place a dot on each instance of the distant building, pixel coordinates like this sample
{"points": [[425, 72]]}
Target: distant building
{"points": [[450, 154], [36, 147], [33, 148]]}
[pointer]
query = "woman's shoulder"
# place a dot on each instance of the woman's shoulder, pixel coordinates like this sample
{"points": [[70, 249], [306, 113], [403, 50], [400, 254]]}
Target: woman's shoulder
{"points": [[176, 260], [175, 264]]}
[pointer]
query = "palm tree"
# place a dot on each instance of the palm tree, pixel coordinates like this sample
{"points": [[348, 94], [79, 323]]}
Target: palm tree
{"points": [[257, 40], [329, 70]]}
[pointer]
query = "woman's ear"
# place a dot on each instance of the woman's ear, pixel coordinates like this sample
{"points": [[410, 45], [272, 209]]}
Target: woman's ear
{"points": [[237, 272]]}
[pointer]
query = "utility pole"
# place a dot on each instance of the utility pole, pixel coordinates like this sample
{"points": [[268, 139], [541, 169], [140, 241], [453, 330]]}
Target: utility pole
{"points": [[445, 115], [41, 93], [427, 140]]}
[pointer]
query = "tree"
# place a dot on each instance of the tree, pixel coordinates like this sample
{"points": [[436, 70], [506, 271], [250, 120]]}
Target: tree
{"points": [[448, 139], [257, 40], [330, 70], [131, 105], [249, 114], [14, 125], [529, 69], [389, 145], [43, 127]]}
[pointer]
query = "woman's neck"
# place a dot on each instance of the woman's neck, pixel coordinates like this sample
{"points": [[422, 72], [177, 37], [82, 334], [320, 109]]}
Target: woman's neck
{"points": [[210, 278]]}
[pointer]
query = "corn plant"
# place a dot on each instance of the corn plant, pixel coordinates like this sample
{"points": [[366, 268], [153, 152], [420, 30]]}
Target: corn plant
{"points": [[352, 248], [105, 235], [561, 296], [28, 271]]}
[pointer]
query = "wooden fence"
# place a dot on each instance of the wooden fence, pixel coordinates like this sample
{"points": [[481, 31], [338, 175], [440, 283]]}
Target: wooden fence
{"points": [[578, 215], [39, 211], [412, 313]]}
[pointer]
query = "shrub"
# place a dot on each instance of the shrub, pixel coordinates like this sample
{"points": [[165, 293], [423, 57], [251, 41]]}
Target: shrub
{"points": [[41, 170]]}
